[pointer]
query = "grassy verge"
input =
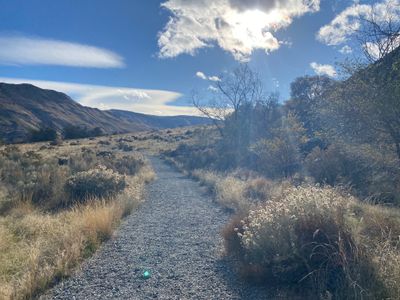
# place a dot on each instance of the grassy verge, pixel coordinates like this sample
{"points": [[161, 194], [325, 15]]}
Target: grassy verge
{"points": [[45, 229]]}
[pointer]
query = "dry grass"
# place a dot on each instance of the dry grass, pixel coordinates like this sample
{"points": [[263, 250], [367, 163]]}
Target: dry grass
{"points": [[320, 240], [37, 246], [229, 191]]}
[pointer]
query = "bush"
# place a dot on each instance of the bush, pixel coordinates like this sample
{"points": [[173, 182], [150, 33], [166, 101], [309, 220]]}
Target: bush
{"points": [[43, 134], [5, 200], [100, 182], [78, 132], [334, 165], [258, 189], [31, 179], [127, 165], [303, 236], [196, 156], [369, 173], [125, 147], [277, 157]]}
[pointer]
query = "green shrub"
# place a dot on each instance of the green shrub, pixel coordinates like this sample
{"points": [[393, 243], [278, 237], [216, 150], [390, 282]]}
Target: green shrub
{"points": [[303, 237], [100, 182], [43, 134], [78, 132], [369, 173], [276, 157]]}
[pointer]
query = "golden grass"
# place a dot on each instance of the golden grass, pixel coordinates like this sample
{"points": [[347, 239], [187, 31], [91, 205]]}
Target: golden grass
{"points": [[37, 248], [229, 191]]}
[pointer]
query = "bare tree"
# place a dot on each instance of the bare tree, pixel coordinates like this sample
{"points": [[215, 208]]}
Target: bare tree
{"points": [[379, 30], [232, 90]]}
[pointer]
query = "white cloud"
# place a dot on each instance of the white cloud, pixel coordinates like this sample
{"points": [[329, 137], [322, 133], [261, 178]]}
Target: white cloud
{"points": [[346, 50], [214, 78], [212, 88], [238, 27], [21, 50], [201, 75], [155, 102], [320, 69], [349, 21]]}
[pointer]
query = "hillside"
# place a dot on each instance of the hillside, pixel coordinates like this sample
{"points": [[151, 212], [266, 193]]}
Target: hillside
{"points": [[24, 107], [157, 121]]}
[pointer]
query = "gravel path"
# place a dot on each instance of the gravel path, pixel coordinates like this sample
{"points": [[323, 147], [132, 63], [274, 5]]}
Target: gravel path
{"points": [[175, 234]]}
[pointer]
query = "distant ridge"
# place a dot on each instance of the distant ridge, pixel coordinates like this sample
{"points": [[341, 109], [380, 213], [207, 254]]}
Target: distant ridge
{"points": [[25, 107]]}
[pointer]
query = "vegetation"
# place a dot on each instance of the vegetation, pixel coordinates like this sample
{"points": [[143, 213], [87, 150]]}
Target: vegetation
{"points": [[310, 236], [310, 181], [57, 204], [99, 182], [43, 134], [78, 132], [313, 184]]}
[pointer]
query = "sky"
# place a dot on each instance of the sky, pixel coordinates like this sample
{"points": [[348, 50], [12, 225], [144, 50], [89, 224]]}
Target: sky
{"points": [[148, 56]]}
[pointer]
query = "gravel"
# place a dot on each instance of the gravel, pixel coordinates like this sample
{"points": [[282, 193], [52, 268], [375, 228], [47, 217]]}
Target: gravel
{"points": [[175, 235]]}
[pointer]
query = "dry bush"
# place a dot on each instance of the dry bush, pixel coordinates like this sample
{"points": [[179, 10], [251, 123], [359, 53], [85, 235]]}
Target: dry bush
{"points": [[100, 182], [303, 237], [83, 161], [29, 177], [228, 190], [6, 201], [230, 193], [388, 265], [125, 147], [258, 189], [380, 232], [127, 165]]}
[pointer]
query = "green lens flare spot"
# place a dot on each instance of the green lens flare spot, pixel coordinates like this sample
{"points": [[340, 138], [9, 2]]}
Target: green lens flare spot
{"points": [[146, 275]]}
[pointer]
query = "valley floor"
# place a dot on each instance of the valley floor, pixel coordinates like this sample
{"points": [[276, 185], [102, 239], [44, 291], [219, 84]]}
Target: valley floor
{"points": [[175, 235]]}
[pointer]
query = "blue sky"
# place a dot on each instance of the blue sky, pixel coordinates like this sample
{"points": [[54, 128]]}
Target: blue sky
{"points": [[124, 54]]}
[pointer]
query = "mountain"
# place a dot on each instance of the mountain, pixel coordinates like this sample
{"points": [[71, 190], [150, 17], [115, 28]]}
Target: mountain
{"points": [[24, 107], [160, 122]]}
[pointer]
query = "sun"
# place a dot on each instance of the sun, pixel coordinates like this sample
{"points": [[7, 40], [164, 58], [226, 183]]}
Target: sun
{"points": [[253, 27]]}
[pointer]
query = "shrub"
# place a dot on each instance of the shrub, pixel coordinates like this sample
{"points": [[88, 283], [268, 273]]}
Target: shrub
{"points": [[303, 236], [105, 143], [125, 147], [100, 182], [29, 178], [5, 200], [83, 161], [43, 134], [230, 193], [277, 157], [196, 156], [78, 132], [369, 173], [127, 165], [258, 189]]}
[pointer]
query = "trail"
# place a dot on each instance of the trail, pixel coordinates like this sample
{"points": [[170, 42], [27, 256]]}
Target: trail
{"points": [[175, 234]]}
